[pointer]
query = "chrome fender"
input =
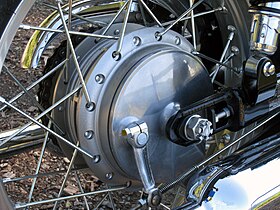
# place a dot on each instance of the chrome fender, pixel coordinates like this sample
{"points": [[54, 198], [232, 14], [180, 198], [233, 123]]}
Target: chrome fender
{"points": [[40, 40]]}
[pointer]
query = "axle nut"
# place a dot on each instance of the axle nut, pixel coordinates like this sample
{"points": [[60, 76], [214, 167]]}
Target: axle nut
{"points": [[198, 129]]}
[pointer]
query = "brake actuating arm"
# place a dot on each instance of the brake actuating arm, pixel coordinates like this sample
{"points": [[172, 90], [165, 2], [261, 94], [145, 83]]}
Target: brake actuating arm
{"points": [[137, 135]]}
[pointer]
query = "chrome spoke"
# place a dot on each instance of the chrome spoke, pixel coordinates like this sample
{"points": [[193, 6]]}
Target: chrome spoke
{"points": [[196, 15], [151, 13], [187, 12], [28, 27], [100, 203], [164, 206], [115, 18], [230, 38], [123, 30], [215, 61], [59, 66], [2, 100], [75, 59], [66, 70], [193, 26], [111, 199], [39, 165], [40, 115], [81, 189], [66, 175], [77, 16], [113, 189], [32, 98], [39, 175]]}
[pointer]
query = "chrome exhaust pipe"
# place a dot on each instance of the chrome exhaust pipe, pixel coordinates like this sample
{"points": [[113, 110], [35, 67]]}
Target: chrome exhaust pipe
{"points": [[30, 137]]}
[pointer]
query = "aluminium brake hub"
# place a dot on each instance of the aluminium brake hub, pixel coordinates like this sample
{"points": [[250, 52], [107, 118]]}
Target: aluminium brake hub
{"points": [[140, 84]]}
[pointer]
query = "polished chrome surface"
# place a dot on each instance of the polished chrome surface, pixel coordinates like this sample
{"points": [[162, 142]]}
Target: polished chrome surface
{"points": [[46, 32], [137, 134], [150, 75], [198, 128], [264, 33], [249, 189]]}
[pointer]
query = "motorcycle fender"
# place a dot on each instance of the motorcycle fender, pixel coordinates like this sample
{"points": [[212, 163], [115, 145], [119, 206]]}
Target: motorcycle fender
{"points": [[40, 39]]}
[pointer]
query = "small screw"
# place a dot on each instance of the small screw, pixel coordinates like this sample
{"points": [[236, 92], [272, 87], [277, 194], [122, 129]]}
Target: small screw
{"points": [[226, 138]]}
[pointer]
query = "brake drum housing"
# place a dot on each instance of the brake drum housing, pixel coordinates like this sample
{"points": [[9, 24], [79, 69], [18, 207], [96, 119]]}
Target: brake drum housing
{"points": [[147, 81]]}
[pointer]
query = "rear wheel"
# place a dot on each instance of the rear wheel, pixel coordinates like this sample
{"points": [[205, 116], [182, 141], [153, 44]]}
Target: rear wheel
{"points": [[135, 68]]}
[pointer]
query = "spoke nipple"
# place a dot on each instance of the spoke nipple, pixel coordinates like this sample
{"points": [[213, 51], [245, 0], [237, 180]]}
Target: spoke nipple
{"points": [[96, 158], [89, 134], [109, 176], [90, 106], [137, 41], [99, 78], [177, 40], [116, 55], [235, 50], [158, 36], [231, 28]]}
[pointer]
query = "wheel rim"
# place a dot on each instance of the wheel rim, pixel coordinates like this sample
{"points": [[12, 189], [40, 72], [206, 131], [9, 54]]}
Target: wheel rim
{"points": [[80, 133]]}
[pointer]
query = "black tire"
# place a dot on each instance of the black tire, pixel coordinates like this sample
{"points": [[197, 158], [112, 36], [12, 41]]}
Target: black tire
{"points": [[7, 8]]}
